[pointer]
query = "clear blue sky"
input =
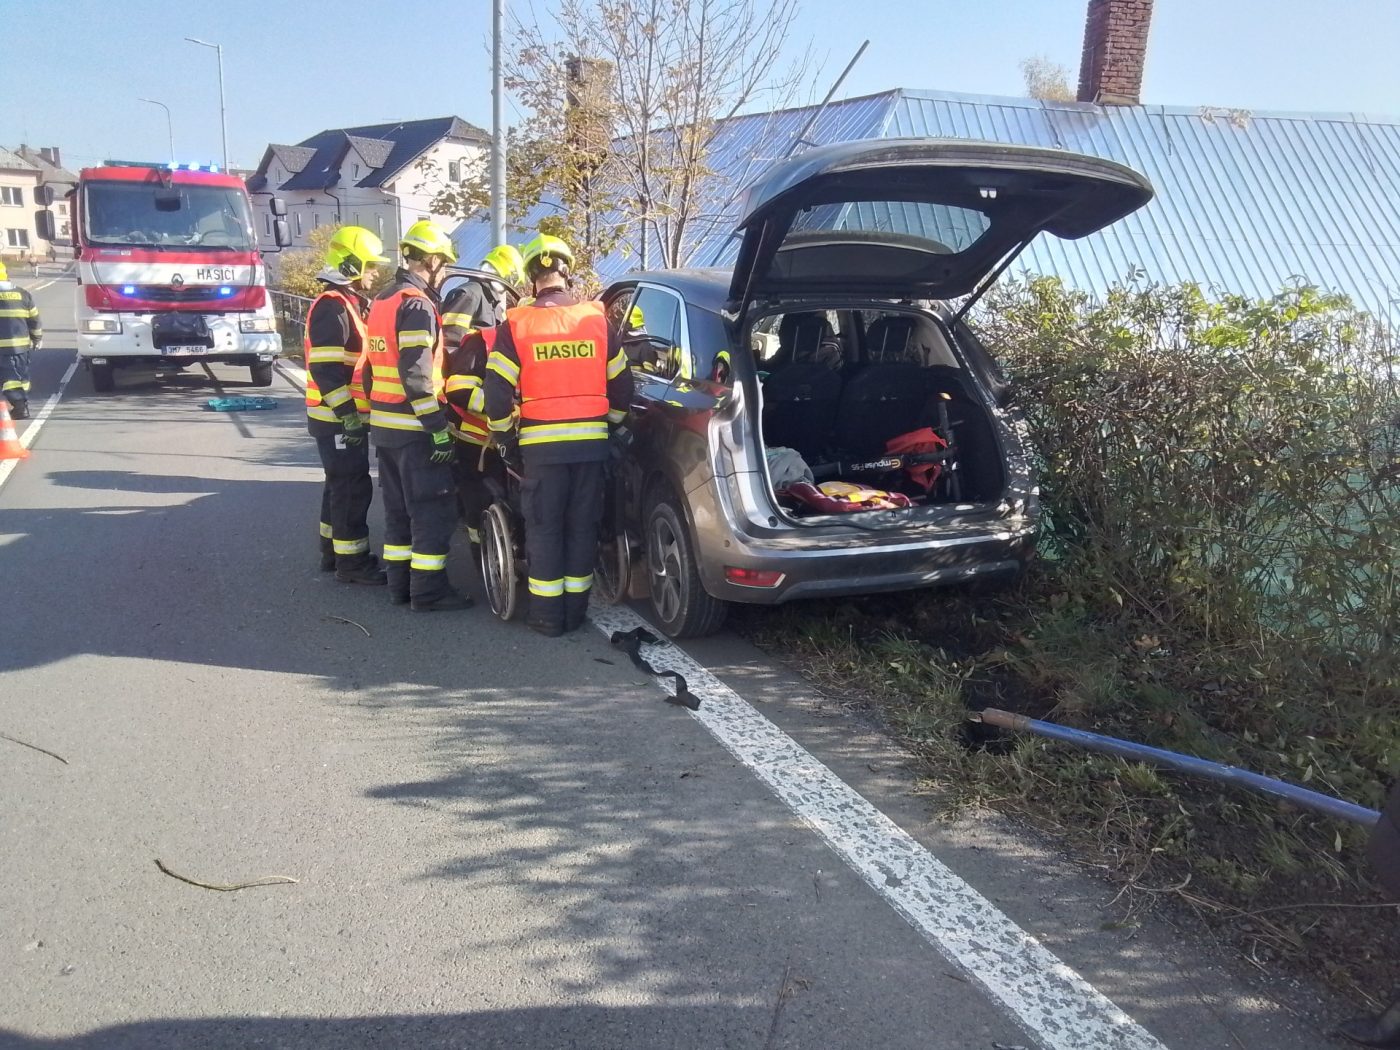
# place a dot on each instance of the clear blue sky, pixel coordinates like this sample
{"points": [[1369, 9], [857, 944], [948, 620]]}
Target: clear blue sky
{"points": [[74, 68]]}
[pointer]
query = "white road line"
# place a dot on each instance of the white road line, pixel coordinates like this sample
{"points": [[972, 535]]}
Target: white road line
{"points": [[1052, 1003], [32, 431], [294, 374]]}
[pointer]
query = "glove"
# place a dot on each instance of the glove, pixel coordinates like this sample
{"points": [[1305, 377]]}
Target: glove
{"points": [[353, 428], [442, 446]]}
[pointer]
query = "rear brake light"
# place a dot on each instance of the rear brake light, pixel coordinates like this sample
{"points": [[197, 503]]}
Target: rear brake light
{"points": [[765, 578]]}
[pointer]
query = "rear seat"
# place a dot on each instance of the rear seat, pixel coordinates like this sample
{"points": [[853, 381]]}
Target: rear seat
{"points": [[800, 396], [888, 396]]}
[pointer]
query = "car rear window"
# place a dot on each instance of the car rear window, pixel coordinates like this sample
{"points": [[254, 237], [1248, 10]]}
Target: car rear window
{"points": [[942, 228]]}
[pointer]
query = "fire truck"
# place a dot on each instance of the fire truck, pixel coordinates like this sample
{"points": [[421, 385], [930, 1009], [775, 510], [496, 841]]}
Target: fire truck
{"points": [[169, 272]]}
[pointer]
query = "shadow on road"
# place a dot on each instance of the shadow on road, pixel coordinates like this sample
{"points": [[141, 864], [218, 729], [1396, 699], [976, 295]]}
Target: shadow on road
{"points": [[616, 1028]]}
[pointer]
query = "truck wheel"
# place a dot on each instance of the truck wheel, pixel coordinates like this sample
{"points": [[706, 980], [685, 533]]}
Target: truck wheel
{"points": [[103, 378], [262, 374], [682, 606]]}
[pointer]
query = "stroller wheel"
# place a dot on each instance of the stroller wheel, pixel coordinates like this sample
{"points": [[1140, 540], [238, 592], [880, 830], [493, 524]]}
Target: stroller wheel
{"points": [[500, 563]]}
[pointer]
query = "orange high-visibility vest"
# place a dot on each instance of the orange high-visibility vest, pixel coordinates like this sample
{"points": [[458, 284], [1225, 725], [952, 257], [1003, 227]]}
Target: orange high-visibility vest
{"points": [[563, 353], [468, 425], [316, 407], [389, 404]]}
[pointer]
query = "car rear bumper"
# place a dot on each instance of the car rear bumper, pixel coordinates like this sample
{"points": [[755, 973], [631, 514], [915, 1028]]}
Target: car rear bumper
{"points": [[909, 559]]}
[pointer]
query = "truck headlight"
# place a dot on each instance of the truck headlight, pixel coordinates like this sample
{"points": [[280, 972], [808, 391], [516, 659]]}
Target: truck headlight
{"points": [[256, 324], [102, 326]]}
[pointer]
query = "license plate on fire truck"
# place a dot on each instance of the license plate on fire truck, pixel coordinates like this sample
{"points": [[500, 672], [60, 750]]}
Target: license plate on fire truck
{"points": [[184, 349]]}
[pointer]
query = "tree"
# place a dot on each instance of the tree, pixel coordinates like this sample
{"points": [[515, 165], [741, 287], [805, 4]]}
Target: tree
{"points": [[622, 102], [1046, 80]]}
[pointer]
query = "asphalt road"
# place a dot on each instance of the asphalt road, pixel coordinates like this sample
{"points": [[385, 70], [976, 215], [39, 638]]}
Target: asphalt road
{"points": [[499, 840]]}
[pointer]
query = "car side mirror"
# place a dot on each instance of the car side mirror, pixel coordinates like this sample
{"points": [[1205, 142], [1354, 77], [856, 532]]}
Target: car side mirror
{"points": [[278, 207], [45, 226], [281, 233], [43, 195]]}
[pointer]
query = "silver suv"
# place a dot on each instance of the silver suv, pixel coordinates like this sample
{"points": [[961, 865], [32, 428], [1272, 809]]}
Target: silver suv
{"points": [[768, 395]]}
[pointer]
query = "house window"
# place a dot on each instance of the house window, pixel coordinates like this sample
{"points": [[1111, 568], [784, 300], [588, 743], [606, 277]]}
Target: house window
{"points": [[12, 195], [357, 170], [298, 224], [17, 238], [454, 171]]}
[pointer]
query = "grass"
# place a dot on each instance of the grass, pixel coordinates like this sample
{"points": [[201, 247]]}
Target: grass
{"points": [[1286, 888]]}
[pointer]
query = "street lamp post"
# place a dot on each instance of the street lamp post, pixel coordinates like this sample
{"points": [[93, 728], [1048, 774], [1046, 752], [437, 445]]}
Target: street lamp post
{"points": [[169, 128], [223, 111], [498, 124]]}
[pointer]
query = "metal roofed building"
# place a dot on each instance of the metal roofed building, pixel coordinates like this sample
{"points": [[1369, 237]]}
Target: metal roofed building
{"points": [[1245, 201]]}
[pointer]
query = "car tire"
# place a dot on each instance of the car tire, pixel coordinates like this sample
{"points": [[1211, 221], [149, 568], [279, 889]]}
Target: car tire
{"points": [[261, 373], [104, 379], [681, 605]]}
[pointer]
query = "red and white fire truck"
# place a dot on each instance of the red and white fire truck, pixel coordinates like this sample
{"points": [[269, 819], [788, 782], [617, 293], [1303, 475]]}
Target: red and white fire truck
{"points": [[169, 272]]}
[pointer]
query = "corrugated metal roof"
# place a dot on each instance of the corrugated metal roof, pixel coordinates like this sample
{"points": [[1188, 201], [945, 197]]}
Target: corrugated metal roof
{"points": [[1245, 202]]}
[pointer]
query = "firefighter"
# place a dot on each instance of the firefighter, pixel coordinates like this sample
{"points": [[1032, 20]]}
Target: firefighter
{"points": [[335, 349], [566, 365], [20, 333], [476, 307], [481, 303], [409, 425]]}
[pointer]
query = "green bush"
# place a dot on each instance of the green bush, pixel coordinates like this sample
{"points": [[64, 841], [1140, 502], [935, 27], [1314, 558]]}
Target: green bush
{"points": [[1220, 478]]}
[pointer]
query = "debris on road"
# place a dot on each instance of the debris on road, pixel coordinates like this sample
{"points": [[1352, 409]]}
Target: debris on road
{"points": [[630, 642], [352, 623], [33, 747], [269, 880]]}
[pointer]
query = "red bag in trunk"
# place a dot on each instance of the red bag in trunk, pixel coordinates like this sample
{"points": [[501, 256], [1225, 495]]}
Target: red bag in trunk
{"points": [[925, 475]]}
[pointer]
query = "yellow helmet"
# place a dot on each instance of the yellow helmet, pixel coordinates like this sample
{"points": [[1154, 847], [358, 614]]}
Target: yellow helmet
{"points": [[636, 320], [352, 248], [429, 238], [4, 273], [506, 261], [547, 251]]}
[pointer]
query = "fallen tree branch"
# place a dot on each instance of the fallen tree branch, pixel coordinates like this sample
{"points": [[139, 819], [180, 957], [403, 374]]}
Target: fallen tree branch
{"points": [[352, 623], [33, 747], [270, 880]]}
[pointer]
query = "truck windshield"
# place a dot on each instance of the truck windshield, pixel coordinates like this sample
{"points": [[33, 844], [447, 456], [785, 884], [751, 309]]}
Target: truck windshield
{"points": [[126, 214]]}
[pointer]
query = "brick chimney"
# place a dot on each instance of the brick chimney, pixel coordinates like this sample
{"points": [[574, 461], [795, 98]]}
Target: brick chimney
{"points": [[1115, 48]]}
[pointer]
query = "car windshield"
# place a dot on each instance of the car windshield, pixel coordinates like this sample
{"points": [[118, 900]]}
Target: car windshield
{"points": [[128, 214], [940, 228]]}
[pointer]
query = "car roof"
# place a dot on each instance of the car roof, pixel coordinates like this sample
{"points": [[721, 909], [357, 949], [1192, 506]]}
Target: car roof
{"points": [[706, 288]]}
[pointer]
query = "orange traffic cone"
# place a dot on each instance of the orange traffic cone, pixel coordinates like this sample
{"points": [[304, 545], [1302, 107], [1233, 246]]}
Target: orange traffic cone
{"points": [[10, 448]]}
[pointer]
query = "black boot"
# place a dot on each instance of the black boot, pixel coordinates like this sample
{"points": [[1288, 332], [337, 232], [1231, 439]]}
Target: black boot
{"points": [[448, 601], [19, 410], [363, 568], [327, 555], [1381, 1033], [575, 611]]}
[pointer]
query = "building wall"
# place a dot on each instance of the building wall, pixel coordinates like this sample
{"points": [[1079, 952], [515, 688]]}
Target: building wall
{"points": [[18, 233], [387, 211]]}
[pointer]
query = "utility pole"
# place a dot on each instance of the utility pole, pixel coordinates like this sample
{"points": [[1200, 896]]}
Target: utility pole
{"points": [[223, 109], [169, 128], [498, 123]]}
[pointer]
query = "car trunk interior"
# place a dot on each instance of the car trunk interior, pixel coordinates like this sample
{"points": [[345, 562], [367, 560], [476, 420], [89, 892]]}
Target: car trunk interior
{"points": [[839, 385]]}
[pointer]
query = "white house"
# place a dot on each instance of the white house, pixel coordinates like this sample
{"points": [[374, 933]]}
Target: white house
{"points": [[18, 180], [381, 176], [60, 181]]}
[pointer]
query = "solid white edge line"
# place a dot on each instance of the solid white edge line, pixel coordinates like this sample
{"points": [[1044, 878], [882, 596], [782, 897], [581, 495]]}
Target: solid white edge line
{"points": [[292, 373], [1052, 1002], [32, 431]]}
